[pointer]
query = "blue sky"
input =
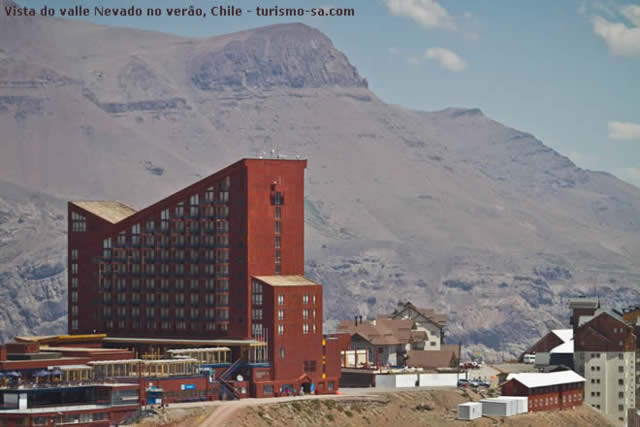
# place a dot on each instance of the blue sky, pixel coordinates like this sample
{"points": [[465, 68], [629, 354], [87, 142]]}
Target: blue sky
{"points": [[566, 71]]}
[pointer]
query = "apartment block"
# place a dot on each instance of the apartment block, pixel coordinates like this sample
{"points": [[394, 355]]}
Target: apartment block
{"points": [[605, 355]]}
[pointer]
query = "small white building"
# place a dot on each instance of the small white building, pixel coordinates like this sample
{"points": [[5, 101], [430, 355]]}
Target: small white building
{"points": [[499, 407], [469, 411]]}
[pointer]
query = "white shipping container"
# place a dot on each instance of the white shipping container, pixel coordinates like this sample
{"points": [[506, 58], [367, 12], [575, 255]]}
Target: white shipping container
{"points": [[522, 405], [469, 411], [499, 407]]}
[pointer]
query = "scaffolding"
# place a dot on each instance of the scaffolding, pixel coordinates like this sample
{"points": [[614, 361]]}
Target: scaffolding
{"points": [[206, 356], [169, 367], [115, 368]]}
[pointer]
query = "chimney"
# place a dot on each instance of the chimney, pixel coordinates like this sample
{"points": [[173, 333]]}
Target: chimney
{"points": [[355, 322]]}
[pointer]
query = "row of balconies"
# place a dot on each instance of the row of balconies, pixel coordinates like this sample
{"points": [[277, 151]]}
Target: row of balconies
{"points": [[163, 260], [167, 273]]}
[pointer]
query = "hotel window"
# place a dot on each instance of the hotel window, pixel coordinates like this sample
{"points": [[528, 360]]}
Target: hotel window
{"points": [[314, 328], [179, 299], [280, 314], [195, 299], [256, 299], [209, 194], [226, 183], [78, 222], [195, 314], [256, 330], [278, 257], [164, 220], [277, 198], [74, 254], [179, 313], [224, 196], [277, 242], [314, 313], [305, 314], [179, 210], [305, 299], [277, 227], [256, 314], [150, 226], [278, 212], [74, 283], [194, 203], [280, 299], [223, 300], [305, 328], [74, 297], [135, 234], [282, 352], [222, 285], [278, 269], [280, 329], [74, 324]]}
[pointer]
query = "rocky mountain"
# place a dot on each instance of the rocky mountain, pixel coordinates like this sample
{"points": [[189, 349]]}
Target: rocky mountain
{"points": [[450, 209]]}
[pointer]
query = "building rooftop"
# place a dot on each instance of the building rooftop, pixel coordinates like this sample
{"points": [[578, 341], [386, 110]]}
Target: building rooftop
{"points": [[438, 319], [286, 280], [566, 335], [384, 331], [432, 359], [175, 341], [544, 379], [110, 211]]}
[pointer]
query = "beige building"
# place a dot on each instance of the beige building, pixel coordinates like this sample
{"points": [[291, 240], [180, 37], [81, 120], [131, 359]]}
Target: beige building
{"points": [[426, 320], [605, 354]]}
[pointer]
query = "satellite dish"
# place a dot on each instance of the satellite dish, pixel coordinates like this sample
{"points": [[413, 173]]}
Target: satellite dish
{"points": [[239, 378]]}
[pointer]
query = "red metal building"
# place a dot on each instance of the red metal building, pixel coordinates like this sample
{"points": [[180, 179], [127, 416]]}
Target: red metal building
{"points": [[546, 391]]}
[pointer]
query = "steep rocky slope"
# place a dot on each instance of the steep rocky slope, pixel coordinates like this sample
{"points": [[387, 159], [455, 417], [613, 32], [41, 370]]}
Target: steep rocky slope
{"points": [[450, 209]]}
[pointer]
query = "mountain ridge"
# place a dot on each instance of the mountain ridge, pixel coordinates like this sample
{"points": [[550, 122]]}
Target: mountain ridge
{"points": [[448, 208]]}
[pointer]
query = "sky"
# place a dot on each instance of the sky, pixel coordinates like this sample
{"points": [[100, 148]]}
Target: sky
{"points": [[567, 71]]}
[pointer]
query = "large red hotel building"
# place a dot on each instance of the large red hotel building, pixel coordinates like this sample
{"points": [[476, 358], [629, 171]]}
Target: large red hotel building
{"points": [[220, 262]]}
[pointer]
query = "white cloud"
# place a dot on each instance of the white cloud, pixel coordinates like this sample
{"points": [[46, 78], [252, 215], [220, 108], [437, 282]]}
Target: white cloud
{"points": [[624, 131], [447, 59], [428, 13], [632, 13], [631, 175], [393, 50], [622, 38], [414, 60]]}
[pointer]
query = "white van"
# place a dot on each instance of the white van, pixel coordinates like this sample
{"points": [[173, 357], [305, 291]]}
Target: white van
{"points": [[530, 358]]}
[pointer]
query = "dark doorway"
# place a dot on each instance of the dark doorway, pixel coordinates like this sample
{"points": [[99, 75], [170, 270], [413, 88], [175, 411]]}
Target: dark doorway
{"points": [[306, 387]]}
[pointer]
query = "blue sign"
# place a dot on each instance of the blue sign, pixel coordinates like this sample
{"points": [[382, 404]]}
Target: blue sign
{"points": [[187, 387], [313, 387]]}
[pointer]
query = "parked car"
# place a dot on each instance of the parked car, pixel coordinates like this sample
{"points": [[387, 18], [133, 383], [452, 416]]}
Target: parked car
{"points": [[483, 383], [462, 383], [474, 383]]}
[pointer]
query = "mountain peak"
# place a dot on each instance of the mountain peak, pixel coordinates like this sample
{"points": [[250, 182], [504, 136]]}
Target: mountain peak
{"points": [[285, 55]]}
